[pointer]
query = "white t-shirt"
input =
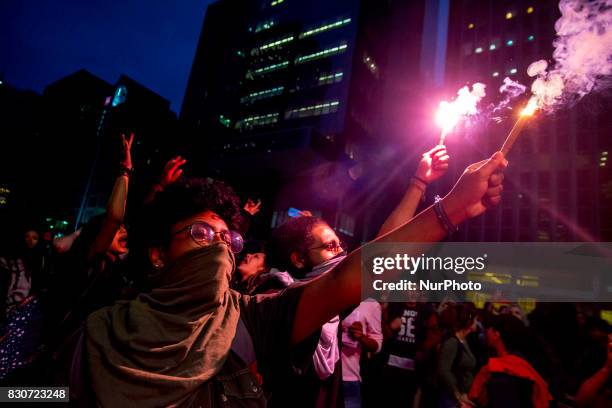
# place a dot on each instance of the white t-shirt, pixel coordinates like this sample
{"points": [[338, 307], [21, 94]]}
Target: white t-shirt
{"points": [[369, 314]]}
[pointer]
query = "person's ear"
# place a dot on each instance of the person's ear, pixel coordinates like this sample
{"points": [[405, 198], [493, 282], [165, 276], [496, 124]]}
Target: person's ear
{"points": [[297, 260], [157, 257]]}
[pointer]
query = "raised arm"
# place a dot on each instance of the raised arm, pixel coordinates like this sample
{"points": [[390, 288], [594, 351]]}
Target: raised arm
{"points": [[115, 209], [432, 166], [478, 188], [172, 171]]}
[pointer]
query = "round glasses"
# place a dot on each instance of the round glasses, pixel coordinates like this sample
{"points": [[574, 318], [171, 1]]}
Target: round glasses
{"points": [[332, 246], [204, 234]]}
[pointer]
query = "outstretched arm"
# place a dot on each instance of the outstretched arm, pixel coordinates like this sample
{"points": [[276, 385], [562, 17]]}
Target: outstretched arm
{"points": [[432, 166], [115, 209], [478, 188]]}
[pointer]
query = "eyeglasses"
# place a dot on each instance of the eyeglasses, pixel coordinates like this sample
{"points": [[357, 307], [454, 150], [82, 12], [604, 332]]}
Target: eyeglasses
{"points": [[332, 246], [204, 234]]}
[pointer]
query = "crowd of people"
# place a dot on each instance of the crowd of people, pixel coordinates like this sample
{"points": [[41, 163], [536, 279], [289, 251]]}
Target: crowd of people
{"points": [[193, 312]]}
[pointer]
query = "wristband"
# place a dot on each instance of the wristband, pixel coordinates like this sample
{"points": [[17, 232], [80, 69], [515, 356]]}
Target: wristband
{"points": [[443, 217], [420, 179], [125, 170]]}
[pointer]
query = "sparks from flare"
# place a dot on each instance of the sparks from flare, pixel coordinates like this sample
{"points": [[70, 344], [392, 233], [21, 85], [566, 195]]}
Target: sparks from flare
{"points": [[450, 113]]}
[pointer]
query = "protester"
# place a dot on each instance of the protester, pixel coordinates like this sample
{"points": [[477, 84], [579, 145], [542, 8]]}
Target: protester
{"points": [[178, 346], [456, 363], [508, 379], [90, 277]]}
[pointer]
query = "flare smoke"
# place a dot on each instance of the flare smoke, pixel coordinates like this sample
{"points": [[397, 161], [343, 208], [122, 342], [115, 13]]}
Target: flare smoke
{"points": [[582, 56]]}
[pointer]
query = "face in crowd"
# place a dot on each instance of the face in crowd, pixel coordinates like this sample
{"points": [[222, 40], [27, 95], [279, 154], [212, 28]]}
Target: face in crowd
{"points": [[252, 264], [31, 239], [182, 241], [324, 245]]}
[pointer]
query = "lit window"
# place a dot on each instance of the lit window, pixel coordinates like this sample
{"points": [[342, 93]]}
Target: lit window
{"points": [[513, 71], [604, 153], [478, 50], [330, 78], [266, 25], [276, 2], [268, 93], [510, 43], [272, 44], [495, 74], [325, 27], [269, 68], [470, 26], [509, 15], [322, 54], [323, 108], [225, 121], [529, 10], [258, 120], [603, 159], [492, 47], [530, 38]]}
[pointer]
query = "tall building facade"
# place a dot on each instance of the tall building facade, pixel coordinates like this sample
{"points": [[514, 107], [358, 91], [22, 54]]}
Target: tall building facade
{"points": [[293, 100], [558, 185]]}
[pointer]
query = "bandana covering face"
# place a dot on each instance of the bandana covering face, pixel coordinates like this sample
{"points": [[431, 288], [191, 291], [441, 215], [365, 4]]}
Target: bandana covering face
{"points": [[161, 347]]}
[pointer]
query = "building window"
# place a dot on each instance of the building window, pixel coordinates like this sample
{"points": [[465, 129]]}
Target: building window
{"points": [[276, 2], [267, 69], [322, 54], [267, 93], [255, 121], [331, 78], [225, 121], [272, 45], [323, 108], [325, 27], [265, 25]]}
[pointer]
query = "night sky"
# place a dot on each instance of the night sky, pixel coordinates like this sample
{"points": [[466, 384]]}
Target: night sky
{"points": [[151, 41]]}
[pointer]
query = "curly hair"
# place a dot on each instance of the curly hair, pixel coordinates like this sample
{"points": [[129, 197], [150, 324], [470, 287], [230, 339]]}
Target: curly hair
{"points": [[184, 199], [294, 235]]}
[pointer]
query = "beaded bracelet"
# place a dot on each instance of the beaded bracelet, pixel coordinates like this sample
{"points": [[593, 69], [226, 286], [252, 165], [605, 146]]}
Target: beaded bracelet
{"points": [[443, 217]]}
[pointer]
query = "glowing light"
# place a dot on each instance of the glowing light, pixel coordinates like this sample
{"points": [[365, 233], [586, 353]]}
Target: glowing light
{"points": [[529, 10], [509, 16], [495, 74], [604, 153], [492, 47], [531, 107], [510, 43], [276, 2], [470, 26], [478, 50], [530, 38], [450, 113], [513, 71]]}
